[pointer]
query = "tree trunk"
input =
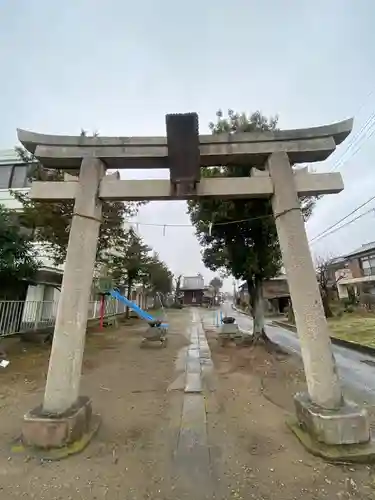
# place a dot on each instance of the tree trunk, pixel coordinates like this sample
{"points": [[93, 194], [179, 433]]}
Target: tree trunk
{"points": [[157, 303], [129, 294], [257, 311], [326, 306]]}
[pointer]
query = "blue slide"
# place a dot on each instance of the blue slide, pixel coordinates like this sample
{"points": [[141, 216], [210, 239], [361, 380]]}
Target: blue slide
{"points": [[134, 307]]}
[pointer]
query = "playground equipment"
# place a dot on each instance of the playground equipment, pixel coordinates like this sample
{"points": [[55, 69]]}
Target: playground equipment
{"points": [[157, 329], [156, 332], [104, 284]]}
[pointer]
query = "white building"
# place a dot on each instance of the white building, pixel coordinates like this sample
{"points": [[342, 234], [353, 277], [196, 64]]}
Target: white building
{"points": [[39, 306], [13, 176]]}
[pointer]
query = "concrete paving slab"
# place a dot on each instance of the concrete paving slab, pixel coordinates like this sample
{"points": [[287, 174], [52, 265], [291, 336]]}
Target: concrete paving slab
{"points": [[193, 383], [204, 354], [206, 362], [193, 365], [193, 353], [178, 384], [192, 459]]}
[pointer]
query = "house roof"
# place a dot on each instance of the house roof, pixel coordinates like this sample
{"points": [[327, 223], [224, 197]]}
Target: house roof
{"points": [[336, 260], [363, 249], [366, 247], [9, 156], [193, 282], [276, 278]]}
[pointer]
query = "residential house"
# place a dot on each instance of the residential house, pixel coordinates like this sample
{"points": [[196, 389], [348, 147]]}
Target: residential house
{"points": [[13, 176], [275, 293], [354, 270]]}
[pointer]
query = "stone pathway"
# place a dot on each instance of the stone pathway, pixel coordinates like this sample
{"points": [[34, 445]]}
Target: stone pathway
{"points": [[159, 440], [192, 457], [198, 356]]}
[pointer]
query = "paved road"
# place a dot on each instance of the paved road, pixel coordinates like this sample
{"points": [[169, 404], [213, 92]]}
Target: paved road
{"points": [[358, 378]]}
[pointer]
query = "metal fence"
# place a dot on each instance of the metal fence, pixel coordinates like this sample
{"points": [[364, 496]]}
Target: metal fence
{"points": [[25, 316]]}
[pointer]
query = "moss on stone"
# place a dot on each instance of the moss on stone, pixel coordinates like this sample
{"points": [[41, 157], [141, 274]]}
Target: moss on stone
{"points": [[362, 453], [55, 454]]}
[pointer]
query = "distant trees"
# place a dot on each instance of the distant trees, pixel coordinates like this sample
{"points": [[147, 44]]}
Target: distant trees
{"points": [[123, 258], [128, 264], [159, 276], [239, 236], [216, 283], [177, 288], [322, 274], [134, 264], [18, 261], [50, 221]]}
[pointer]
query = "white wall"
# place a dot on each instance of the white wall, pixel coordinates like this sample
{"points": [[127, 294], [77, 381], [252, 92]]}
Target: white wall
{"points": [[342, 291], [41, 303], [56, 294], [9, 201], [34, 298], [35, 293]]}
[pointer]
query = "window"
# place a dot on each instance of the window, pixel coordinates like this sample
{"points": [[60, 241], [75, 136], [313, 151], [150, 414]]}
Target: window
{"points": [[19, 177], [5, 175], [14, 176], [368, 265]]}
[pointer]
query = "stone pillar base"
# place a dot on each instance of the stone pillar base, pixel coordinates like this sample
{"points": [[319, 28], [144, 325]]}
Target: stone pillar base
{"points": [[228, 330], [336, 435], [347, 425], [62, 434]]}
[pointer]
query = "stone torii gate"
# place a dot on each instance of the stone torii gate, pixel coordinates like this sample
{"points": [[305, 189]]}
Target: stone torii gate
{"points": [[64, 416]]}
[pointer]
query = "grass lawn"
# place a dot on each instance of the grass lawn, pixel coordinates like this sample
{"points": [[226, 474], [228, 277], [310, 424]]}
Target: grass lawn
{"points": [[354, 328]]}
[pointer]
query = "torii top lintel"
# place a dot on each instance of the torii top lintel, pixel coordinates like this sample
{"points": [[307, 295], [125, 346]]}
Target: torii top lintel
{"points": [[184, 144]]}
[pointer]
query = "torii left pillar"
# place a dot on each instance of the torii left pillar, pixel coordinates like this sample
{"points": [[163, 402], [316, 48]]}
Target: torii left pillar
{"points": [[66, 417]]}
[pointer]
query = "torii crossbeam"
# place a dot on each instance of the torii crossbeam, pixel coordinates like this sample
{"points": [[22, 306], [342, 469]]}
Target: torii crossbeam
{"points": [[184, 152], [304, 145]]}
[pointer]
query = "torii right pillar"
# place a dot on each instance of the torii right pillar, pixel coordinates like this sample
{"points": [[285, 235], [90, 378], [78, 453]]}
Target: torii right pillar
{"points": [[322, 413]]}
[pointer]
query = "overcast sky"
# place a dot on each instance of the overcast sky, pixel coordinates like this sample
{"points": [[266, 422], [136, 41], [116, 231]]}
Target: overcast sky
{"points": [[118, 67]]}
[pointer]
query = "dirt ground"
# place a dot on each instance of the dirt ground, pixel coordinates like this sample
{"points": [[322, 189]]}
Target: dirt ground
{"points": [[252, 452], [128, 385], [258, 456]]}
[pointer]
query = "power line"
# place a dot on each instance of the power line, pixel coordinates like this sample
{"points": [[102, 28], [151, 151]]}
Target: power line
{"points": [[358, 140], [344, 225], [354, 139], [318, 236], [139, 223], [370, 94]]}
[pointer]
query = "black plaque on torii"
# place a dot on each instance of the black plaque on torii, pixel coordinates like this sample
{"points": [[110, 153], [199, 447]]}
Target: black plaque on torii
{"points": [[183, 153]]}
